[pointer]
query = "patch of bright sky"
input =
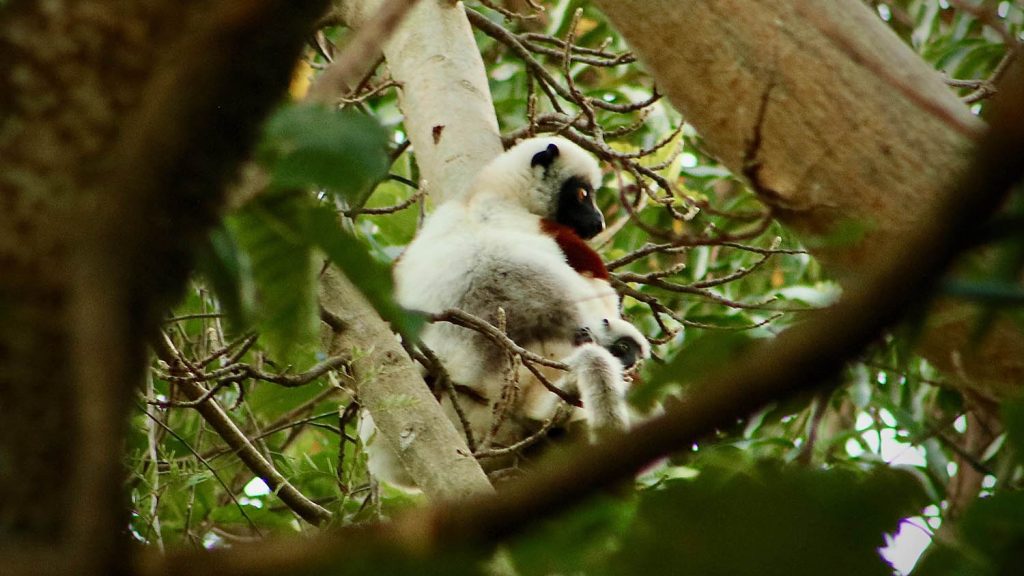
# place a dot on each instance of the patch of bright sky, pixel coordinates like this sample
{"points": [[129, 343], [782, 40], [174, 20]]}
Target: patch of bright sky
{"points": [[903, 549], [884, 442], [960, 424], [256, 488], [211, 541], [687, 160], [253, 491]]}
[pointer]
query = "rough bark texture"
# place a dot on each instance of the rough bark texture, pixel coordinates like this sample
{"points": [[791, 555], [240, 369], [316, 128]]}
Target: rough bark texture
{"points": [[837, 125], [119, 124], [449, 114], [404, 410]]}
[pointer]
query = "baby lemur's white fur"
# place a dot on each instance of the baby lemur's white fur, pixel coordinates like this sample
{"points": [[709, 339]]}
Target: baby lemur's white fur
{"points": [[514, 242]]}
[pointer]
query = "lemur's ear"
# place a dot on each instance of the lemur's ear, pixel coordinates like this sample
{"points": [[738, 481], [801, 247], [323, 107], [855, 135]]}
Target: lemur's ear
{"points": [[545, 157]]}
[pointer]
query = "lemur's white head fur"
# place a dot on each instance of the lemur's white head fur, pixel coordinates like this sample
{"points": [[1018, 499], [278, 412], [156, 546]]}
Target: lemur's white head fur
{"points": [[532, 175]]}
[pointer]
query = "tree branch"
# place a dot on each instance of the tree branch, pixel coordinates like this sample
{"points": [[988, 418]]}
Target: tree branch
{"points": [[391, 388], [450, 120]]}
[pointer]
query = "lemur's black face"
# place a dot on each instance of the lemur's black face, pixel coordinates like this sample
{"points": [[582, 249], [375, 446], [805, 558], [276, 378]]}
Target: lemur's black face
{"points": [[576, 208], [626, 350]]}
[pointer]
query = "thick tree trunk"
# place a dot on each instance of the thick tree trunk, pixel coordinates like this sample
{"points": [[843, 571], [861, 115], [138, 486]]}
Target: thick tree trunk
{"points": [[119, 124], [836, 124], [449, 114]]}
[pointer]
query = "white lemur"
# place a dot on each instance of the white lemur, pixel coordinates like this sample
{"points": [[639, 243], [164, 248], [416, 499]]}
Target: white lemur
{"points": [[515, 241]]}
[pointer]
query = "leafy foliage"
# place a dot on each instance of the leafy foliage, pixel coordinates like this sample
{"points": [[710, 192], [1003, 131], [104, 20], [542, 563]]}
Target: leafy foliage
{"points": [[269, 231], [308, 145], [768, 520], [991, 540]]}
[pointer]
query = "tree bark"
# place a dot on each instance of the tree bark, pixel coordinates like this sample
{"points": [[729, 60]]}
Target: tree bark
{"points": [[449, 113], [121, 123], [844, 132]]}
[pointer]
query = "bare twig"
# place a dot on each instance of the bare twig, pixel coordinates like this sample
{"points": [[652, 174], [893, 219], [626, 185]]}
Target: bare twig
{"points": [[561, 414], [441, 374], [547, 81], [206, 464], [212, 412], [510, 389], [362, 50], [467, 320], [530, 360], [414, 198], [508, 14], [987, 87]]}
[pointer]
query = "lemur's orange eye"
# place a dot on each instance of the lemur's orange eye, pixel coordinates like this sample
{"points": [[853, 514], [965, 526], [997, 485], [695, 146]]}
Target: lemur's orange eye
{"points": [[581, 194]]}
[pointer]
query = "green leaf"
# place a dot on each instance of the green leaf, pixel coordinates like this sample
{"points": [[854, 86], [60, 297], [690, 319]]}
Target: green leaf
{"points": [[1013, 419], [227, 270], [695, 361], [578, 542], [311, 145], [372, 277], [269, 229], [769, 520], [198, 478], [279, 232]]}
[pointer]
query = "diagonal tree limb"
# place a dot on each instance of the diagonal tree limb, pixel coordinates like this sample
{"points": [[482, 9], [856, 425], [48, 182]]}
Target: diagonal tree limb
{"points": [[392, 389]]}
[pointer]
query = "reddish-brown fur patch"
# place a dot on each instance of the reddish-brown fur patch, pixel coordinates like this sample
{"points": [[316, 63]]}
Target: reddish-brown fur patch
{"points": [[578, 254]]}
